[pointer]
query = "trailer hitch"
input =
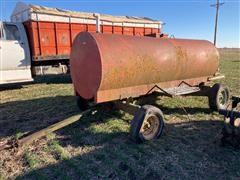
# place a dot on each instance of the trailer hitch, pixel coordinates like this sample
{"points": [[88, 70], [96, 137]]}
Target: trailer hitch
{"points": [[9, 144]]}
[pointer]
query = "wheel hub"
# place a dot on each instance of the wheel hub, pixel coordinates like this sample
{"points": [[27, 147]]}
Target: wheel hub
{"points": [[150, 127]]}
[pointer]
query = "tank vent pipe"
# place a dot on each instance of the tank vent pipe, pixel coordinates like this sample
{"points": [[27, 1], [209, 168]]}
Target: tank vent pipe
{"points": [[98, 22]]}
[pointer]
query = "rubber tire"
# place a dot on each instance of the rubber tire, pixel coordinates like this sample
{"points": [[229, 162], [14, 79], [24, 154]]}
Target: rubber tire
{"points": [[82, 103], [138, 119], [213, 97]]}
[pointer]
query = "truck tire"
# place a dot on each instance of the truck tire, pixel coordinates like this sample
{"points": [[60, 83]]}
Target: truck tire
{"points": [[82, 103], [147, 124], [218, 97]]}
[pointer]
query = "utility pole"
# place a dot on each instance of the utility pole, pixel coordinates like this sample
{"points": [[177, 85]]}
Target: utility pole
{"points": [[217, 5]]}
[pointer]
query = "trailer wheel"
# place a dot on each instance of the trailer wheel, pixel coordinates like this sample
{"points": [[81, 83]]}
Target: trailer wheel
{"points": [[147, 124], [218, 97], [82, 103]]}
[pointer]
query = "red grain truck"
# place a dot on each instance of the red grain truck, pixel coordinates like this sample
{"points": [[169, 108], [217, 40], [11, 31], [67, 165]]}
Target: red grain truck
{"points": [[38, 39]]}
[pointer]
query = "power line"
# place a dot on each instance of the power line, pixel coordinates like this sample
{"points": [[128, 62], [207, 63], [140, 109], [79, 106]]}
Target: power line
{"points": [[217, 5]]}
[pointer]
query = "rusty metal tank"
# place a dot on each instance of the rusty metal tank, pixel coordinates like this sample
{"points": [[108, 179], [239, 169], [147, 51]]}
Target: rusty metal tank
{"points": [[106, 67]]}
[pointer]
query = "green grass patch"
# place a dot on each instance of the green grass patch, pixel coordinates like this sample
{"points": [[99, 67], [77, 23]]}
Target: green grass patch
{"points": [[1, 177], [19, 135], [31, 159], [98, 146], [58, 150]]}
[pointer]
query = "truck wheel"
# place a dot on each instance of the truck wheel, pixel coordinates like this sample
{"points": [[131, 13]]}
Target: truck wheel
{"points": [[82, 103], [147, 124], [218, 97]]}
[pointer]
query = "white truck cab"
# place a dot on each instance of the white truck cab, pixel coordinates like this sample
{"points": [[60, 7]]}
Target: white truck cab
{"points": [[15, 59]]}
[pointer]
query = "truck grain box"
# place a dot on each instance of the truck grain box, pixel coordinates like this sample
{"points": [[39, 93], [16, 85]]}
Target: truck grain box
{"points": [[38, 39]]}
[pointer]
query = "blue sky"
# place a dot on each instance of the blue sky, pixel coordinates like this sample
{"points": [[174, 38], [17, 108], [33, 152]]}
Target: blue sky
{"points": [[184, 18]]}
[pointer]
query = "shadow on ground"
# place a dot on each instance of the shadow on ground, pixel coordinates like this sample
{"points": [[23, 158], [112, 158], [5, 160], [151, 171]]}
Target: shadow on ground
{"points": [[31, 115], [46, 79], [54, 79], [186, 150]]}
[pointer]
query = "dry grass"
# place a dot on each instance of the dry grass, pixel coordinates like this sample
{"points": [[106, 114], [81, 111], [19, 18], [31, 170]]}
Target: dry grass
{"points": [[98, 147]]}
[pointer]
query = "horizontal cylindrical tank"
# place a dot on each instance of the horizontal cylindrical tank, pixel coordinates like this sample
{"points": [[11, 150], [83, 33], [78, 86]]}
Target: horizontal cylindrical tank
{"points": [[107, 67]]}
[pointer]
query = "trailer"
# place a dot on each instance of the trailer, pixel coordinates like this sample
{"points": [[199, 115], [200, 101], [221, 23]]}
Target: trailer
{"points": [[105, 71], [38, 39]]}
